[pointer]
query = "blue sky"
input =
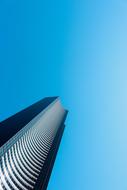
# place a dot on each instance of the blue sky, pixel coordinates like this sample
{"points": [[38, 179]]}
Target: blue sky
{"points": [[77, 50]]}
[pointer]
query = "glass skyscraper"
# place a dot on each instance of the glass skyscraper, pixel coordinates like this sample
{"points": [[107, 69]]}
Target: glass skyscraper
{"points": [[29, 141]]}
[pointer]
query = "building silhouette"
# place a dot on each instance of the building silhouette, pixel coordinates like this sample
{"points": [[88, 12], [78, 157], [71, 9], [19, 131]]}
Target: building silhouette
{"points": [[29, 141]]}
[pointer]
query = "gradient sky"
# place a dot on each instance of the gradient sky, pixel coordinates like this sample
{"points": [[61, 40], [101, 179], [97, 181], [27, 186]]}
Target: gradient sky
{"points": [[77, 50]]}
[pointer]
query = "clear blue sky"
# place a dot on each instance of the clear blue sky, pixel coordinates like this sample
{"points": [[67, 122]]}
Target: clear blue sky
{"points": [[77, 50]]}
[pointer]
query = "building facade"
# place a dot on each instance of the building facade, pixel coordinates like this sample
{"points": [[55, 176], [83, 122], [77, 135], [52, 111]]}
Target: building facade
{"points": [[29, 141]]}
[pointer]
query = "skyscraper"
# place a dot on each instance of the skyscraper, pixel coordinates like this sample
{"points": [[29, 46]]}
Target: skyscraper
{"points": [[29, 141]]}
